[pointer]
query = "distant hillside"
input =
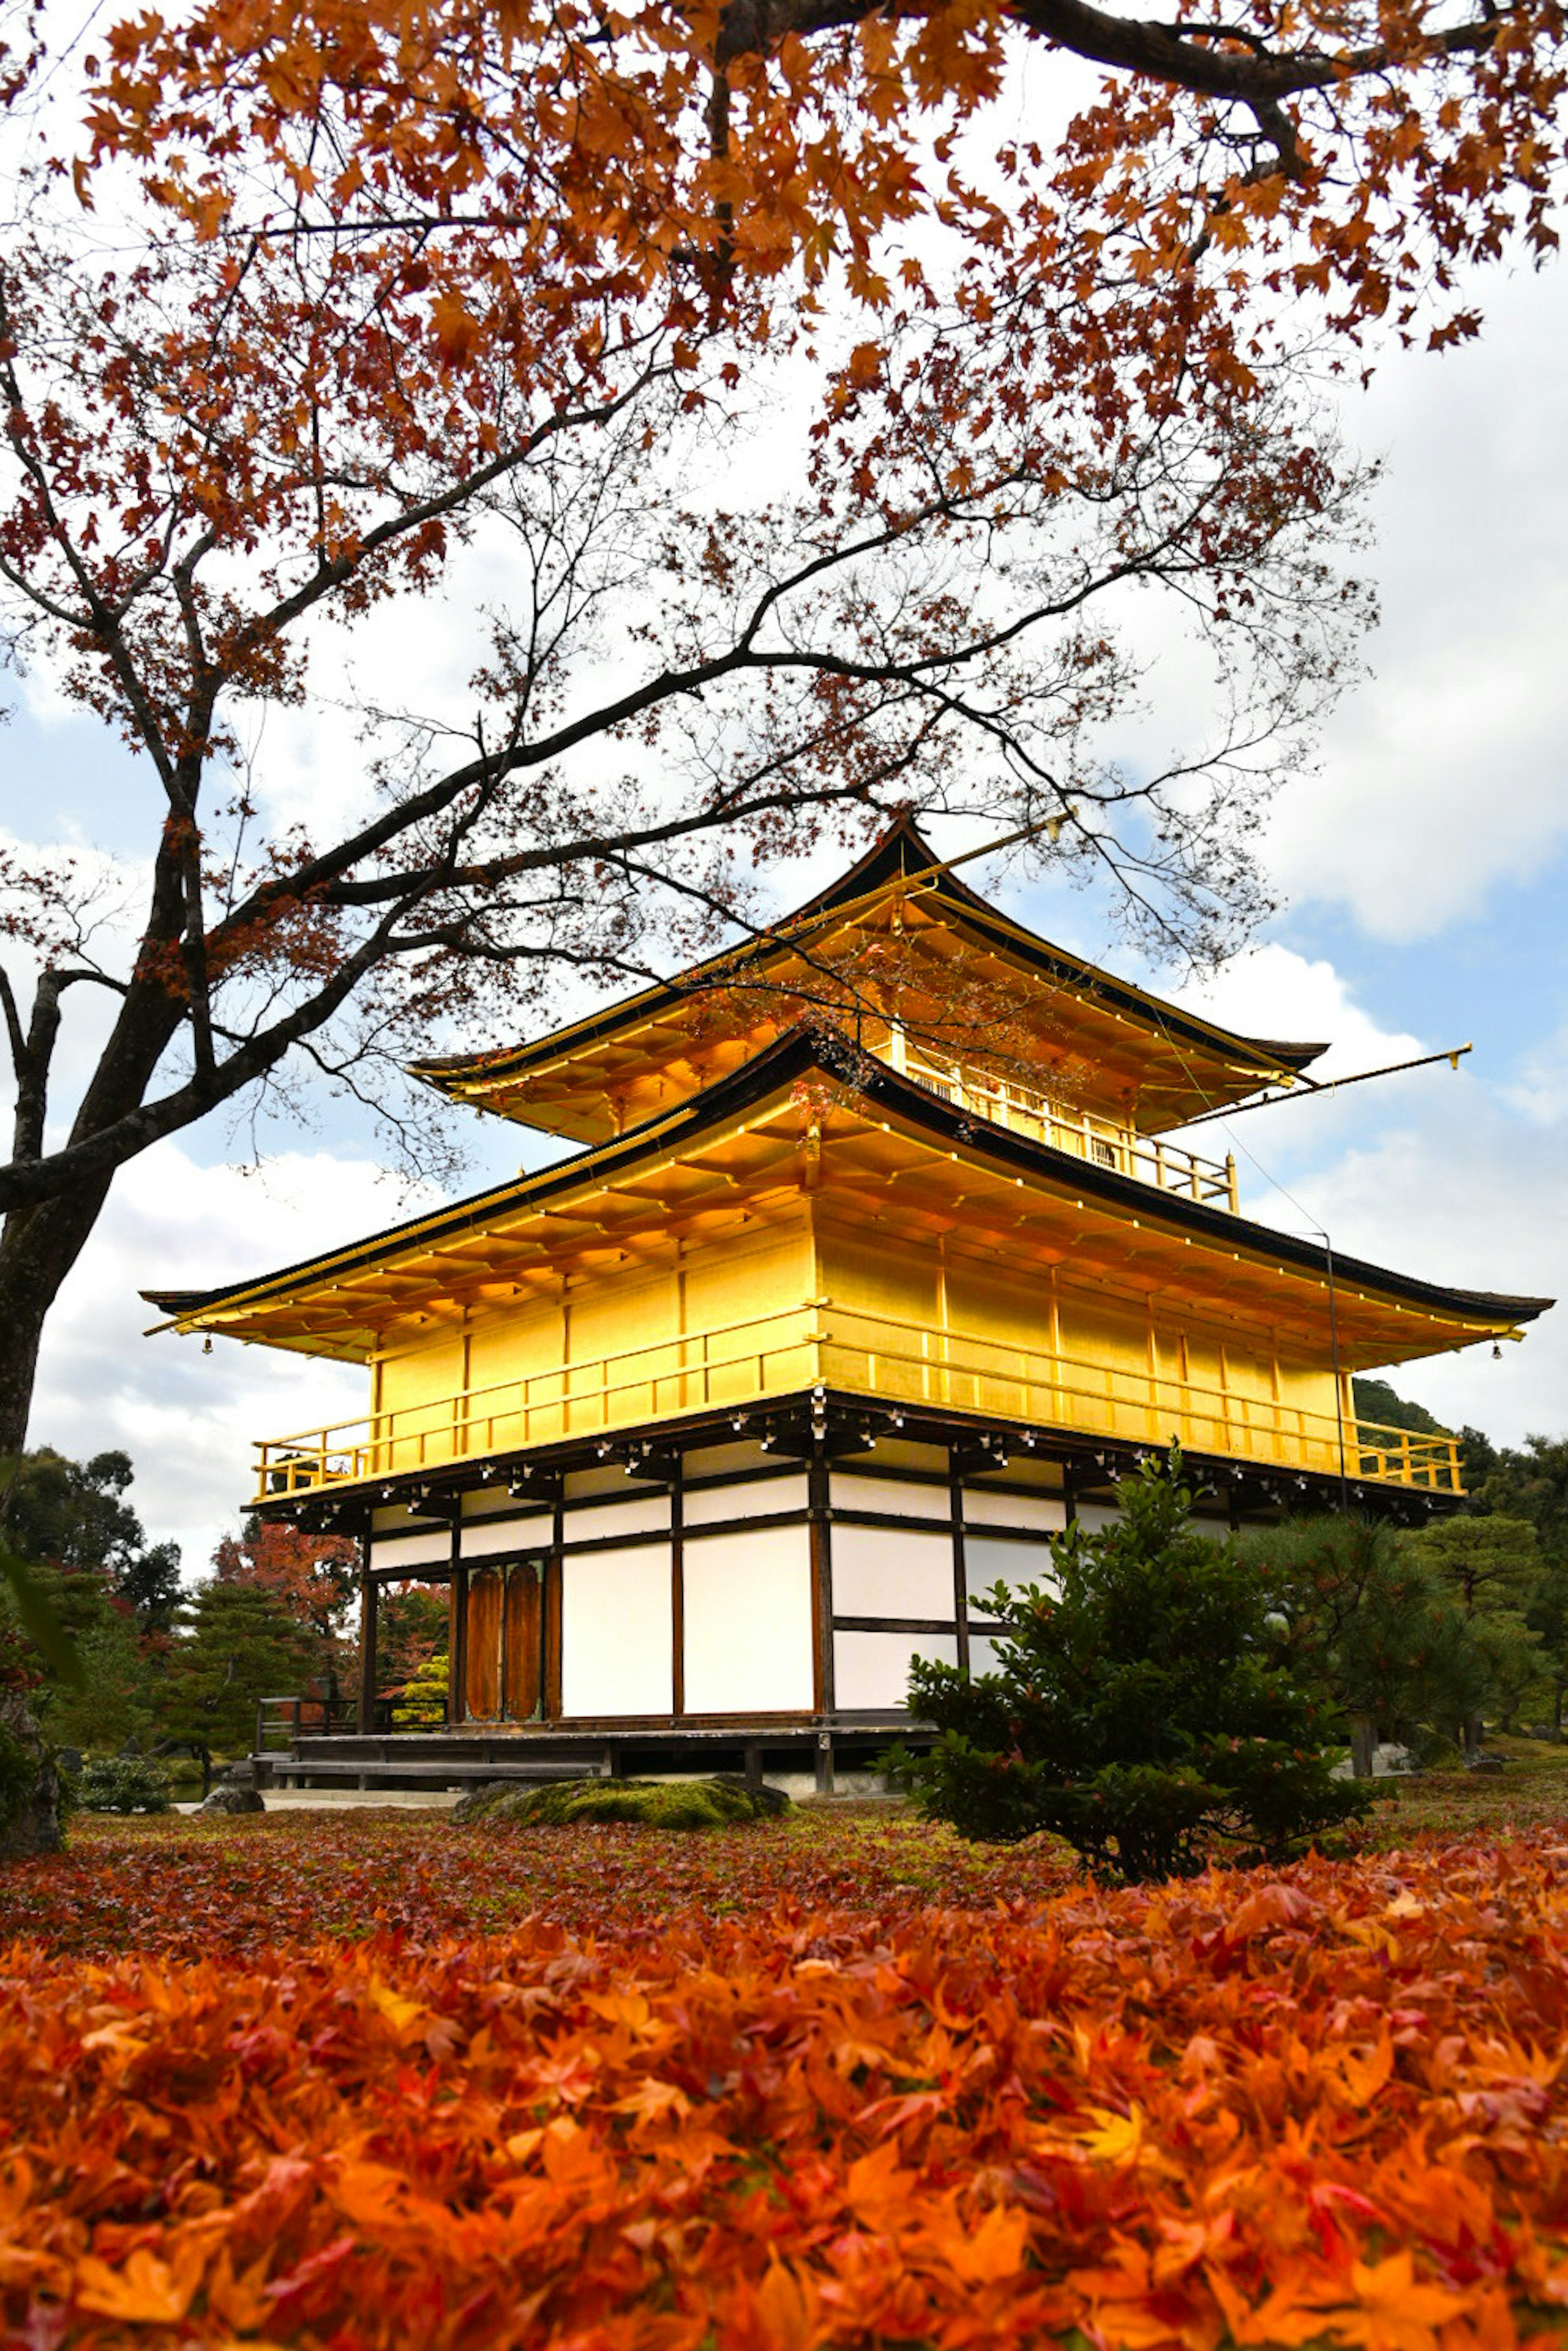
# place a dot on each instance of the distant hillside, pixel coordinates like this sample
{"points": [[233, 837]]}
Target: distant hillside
{"points": [[1375, 1400]]}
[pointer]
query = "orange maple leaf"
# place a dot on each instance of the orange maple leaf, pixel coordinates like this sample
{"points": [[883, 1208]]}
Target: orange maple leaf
{"points": [[146, 2290]]}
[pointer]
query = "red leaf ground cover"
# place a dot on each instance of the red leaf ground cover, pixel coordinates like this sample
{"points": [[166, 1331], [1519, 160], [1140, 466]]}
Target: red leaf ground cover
{"points": [[1321, 2107], [187, 1888]]}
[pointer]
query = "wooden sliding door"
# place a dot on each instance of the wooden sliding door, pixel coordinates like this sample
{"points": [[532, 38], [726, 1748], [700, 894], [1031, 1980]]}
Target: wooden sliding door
{"points": [[504, 1658]]}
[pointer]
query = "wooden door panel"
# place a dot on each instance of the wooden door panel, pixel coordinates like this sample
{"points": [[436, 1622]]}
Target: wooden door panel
{"points": [[484, 1645], [523, 1649]]}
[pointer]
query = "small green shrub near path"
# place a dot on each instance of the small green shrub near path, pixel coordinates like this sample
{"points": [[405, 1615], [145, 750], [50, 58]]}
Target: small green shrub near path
{"points": [[122, 1784], [648, 1803]]}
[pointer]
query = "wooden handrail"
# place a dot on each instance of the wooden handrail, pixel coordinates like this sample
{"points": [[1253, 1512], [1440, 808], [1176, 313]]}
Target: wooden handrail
{"points": [[870, 1353], [1168, 1166]]}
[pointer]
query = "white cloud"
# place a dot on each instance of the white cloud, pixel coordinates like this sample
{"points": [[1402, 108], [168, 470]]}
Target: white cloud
{"points": [[1539, 1091], [1446, 1175], [1445, 774], [1274, 992], [188, 1419], [1469, 1199]]}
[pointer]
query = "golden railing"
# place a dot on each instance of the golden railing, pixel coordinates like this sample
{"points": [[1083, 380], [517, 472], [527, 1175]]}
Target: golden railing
{"points": [[862, 1354], [1167, 1165]]}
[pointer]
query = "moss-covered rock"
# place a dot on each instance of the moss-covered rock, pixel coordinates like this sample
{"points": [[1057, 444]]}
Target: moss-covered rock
{"points": [[648, 1803]]}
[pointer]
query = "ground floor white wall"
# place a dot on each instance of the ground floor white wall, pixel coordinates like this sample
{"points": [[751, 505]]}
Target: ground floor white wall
{"points": [[743, 1585]]}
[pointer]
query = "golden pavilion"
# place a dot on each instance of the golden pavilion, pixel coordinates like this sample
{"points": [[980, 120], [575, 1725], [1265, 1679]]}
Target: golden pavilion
{"points": [[874, 1267]]}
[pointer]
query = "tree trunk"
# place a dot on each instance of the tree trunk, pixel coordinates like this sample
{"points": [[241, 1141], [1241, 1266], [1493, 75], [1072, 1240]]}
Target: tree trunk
{"points": [[1473, 1727], [38, 1247], [30, 1803], [41, 1241], [1363, 1740]]}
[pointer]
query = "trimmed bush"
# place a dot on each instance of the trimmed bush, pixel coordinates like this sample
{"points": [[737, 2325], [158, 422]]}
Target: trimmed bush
{"points": [[122, 1784], [645, 1804], [423, 1704]]}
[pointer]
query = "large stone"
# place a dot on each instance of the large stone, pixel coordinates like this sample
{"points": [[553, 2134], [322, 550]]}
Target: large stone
{"points": [[29, 1785], [230, 1797]]}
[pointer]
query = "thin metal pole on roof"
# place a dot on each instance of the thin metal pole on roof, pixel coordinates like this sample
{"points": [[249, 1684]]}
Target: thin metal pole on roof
{"points": [[1310, 1089]]}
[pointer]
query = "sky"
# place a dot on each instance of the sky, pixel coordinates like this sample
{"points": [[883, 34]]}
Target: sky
{"points": [[1422, 873]]}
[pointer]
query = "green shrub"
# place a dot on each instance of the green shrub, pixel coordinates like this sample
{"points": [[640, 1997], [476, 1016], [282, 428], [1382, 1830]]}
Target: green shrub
{"points": [[122, 1784], [1142, 1709], [423, 1704], [648, 1803], [19, 1765]]}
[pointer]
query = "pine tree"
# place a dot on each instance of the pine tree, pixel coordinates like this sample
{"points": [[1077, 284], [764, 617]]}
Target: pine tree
{"points": [[1492, 1565], [235, 1647], [1374, 1626], [1143, 1705]]}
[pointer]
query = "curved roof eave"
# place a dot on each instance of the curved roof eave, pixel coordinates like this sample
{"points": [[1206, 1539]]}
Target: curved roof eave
{"points": [[887, 860], [800, 1053]]}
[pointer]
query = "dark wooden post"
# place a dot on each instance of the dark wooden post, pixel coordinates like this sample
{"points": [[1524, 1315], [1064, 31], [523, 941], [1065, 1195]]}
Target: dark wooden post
{"points": [[367, 1597], [961, 1570], [677, 1588]]}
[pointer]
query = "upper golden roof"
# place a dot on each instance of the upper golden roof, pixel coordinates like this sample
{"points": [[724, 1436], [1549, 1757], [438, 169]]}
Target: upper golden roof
{"points": [[901, 955], [808, 1115]]}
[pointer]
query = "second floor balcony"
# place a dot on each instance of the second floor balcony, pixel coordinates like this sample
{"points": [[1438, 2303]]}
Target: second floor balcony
{"points": [[851, 1352]]}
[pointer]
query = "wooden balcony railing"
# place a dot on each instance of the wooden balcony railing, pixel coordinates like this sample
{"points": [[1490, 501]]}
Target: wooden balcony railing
{"points": [[862, 1354], [1167, 1165]]}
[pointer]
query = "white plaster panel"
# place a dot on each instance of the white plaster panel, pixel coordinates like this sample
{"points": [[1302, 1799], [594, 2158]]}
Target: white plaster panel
{"points": [[991, 1559], [1044, 1511], [889, 1572], [638, 1514], [898, 1453], [871, 1669], [1093, 1517], [617, 1632], [1023, 1470], [392, 1518], [747, 1612], [490, 1537], [982, 1653], [710, 1504], [579, 1484], [431, 1550], [894, 1498], [490, 1502]]}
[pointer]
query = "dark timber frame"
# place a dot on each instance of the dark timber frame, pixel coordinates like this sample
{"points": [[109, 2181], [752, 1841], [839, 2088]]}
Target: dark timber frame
{"points": [[814, 1432]]}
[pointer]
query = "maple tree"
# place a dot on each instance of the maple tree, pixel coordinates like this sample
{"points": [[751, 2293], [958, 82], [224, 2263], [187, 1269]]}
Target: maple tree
{"points": [[221, 453], [384, 290], [312, 1578]]}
